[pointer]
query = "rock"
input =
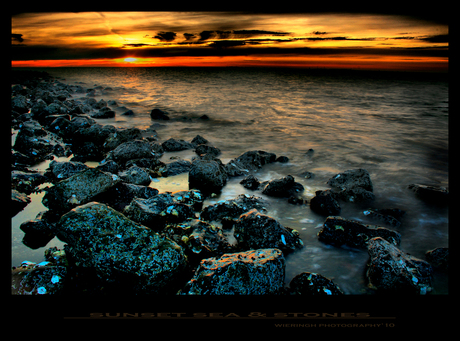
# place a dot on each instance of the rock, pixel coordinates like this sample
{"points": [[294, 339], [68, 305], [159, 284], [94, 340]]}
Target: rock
{"points": [[199, 239], [35, 279], [339, 231], [390, 216], [310, 283], [20, 104], [26, 182], [203, 149], [208, 176], [109, 166], [96, 133], [255, 272], [250, 182], [197, 140], [121, 136], [173, 145], [324, 203], [282, 159], [154, 166], [39, 231], [78, 189], [431, 194], [232, 208], [249, 162], [438, 258], [121, 195], [18, 202], [128, 113], [193, 198], [104, 113], [35, 142], [135, 175], [40, 224], [254, 230], [136, 149], [391, 270], [87, 151], [127, 256], [352, 185], [158, 114], [284, 187], [58, 171], [177, 167], [204, 117], [158, 211]]}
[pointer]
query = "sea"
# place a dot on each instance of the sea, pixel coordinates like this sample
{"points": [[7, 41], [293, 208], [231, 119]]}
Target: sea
{"points": [[393, 124]]}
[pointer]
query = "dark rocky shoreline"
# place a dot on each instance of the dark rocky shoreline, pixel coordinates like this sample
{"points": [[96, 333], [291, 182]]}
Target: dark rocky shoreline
{"points": [[122, 234]]}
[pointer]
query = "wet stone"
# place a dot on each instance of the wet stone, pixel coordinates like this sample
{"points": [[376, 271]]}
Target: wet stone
{"points": [[310, 283], [249, 162], [433, 194], [254, 272], [233, 208], [438, 258], [128, 257], [352, 185], [391, 270], [339, 231], [78, 189], [254, 230], [324, 203]]}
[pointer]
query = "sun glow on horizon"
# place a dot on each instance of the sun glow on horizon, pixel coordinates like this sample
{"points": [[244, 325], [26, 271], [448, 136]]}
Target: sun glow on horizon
{"points": [[130, 60]]}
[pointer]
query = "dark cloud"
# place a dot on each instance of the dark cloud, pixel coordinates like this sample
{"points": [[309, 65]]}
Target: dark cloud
{"points": [[165, 36], [227, 43], [253, 33], [136, 45], [318, 33], [335, 38], [442, 38], [16, 38], [189, 36]]}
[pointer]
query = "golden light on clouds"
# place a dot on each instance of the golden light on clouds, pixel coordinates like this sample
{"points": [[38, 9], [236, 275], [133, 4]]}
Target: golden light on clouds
{"points": [[220, 38]]}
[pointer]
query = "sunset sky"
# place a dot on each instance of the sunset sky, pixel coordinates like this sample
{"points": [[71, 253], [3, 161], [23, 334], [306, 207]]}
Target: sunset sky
{"points": [[315, 40]]}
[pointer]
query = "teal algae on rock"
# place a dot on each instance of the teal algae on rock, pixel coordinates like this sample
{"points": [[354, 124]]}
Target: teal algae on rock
{"points": [[120, 251], [254, 272], [255, 230], [392, 271], [78, 189]]}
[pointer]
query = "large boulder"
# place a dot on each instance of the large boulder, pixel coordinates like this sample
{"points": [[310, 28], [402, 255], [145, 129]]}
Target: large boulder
{"points": [[339, 231], [391, 270], [254, 231], [127, 256], [249, 162], [310, 283], [38, 279], [208, 176], [254, 272], [283, 187], [352, 185], [78, 189]]}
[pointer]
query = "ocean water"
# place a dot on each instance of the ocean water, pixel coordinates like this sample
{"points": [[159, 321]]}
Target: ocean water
{"points": [[395, 125]]}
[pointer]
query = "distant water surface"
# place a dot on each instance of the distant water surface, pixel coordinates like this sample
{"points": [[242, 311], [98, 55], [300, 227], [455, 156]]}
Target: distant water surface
{"points": [[395, 125]]}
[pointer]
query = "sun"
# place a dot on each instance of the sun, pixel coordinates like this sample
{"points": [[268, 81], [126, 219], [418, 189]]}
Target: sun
{"points": [[130, 59]]}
